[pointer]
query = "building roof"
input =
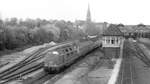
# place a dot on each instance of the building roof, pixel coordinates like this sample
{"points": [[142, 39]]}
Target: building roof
{"points": [[141, 29], [112, 30]]}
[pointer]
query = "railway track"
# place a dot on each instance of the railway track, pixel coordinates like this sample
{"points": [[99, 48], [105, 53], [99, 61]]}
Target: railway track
{"points": [[19, 72], [42, 77], [139, 53], [18, 76], [4, 64], [19, 66], [27, 59], [126, 70], [15, 71]]}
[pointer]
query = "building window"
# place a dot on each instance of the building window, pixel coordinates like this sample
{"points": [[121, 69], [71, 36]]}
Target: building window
{"points": [[117, 40], [112, 41], [108, 41]]}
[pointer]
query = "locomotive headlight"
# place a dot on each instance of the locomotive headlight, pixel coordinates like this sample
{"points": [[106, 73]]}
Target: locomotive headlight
{"points": [[55, 53]]}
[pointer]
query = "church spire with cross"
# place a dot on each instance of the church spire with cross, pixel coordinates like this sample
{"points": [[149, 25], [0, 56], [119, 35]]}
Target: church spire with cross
{"points": [[88, 17]]}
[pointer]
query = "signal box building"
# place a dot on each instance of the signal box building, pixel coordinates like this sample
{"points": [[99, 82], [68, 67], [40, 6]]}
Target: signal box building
{"points": [[112, 40]]}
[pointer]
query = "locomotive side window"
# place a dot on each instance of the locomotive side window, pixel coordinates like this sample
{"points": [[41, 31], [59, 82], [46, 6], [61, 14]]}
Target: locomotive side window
{"points": [[70, 49], [66, 50]]}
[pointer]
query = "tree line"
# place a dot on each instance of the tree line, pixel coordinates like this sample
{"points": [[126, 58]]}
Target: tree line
{"points": [[16, 33]]}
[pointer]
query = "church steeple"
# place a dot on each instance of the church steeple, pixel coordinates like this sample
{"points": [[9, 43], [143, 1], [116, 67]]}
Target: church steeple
{"points": [[88, 17]]}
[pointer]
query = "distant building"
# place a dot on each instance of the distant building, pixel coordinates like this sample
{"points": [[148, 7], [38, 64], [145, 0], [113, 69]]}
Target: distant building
{"points": [[139, 30], [100, 27]]}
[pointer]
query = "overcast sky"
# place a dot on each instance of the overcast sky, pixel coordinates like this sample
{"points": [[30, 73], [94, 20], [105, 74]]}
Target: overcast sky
{"points": [[112, 11]]}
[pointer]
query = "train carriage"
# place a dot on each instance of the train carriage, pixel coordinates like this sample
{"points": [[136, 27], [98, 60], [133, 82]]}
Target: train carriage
{"points": [[59, 58]]}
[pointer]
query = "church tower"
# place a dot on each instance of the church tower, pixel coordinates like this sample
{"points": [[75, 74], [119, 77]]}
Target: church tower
{"points": [[89, 25], [88, 16]]}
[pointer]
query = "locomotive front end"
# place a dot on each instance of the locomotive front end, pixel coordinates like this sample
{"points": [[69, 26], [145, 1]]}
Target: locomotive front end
{"points": [[50, 62], [60, 57]]}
